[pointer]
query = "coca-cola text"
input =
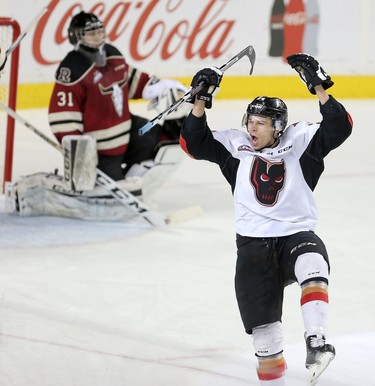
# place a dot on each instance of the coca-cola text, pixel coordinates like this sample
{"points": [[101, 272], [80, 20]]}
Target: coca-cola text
{"points": [[208, 34]]}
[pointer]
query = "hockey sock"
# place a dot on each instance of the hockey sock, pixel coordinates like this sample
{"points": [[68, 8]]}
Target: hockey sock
{"points": [[271, 370], [312, 274], [268, 345], [314, 305]]}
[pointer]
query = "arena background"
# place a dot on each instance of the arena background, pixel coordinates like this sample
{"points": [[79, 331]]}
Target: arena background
{"points": [[175, 38], [119, 303]]}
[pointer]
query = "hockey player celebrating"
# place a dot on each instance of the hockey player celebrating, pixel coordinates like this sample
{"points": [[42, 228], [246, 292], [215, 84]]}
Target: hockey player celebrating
{"points": [[91, 97], [273, 169]]}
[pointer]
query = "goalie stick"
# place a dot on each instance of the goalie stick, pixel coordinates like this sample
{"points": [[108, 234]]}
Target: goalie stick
{"points": [[248, 51], [16, 43], [125, 197]]}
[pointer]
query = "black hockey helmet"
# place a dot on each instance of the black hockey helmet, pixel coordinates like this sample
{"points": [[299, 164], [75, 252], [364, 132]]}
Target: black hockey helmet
{"points": [[81, 23], [271, 107]]}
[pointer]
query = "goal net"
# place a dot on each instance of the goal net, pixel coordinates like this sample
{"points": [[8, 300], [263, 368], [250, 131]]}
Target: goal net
{"points": [[9, 31]]}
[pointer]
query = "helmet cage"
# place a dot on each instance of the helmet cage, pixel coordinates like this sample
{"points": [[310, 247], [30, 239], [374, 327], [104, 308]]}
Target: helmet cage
{"points": [[80, 25]]}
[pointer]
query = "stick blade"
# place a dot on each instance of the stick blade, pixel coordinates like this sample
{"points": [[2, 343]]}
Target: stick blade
{"points": [[251, 55], [145, 128], [184, 214]]}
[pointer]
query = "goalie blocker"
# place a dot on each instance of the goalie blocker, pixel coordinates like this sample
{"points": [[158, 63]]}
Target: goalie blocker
{"points": [[51, 194]]}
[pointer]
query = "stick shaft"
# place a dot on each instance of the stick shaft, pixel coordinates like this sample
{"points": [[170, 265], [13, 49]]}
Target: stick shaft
{"points": [[25, 31], [20, 119], [248, 51]]}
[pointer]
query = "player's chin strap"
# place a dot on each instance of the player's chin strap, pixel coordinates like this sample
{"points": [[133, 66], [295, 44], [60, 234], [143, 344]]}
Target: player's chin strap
{"points": [[279, 135], [277, 139], [123, 196]]}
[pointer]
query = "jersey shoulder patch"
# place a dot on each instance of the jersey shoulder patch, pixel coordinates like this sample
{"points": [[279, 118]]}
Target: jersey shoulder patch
{"points": [[72, 67], [232, 139]]}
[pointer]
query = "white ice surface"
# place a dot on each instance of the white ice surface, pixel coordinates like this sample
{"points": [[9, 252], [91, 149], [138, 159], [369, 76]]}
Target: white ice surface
{"points": [[121, 304]]}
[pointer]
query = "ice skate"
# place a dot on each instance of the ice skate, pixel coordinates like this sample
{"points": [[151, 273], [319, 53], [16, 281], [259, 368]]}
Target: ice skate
{"points": [[318, 357]]}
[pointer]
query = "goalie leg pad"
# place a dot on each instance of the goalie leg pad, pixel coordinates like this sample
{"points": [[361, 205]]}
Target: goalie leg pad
{"points": [[26, 196], [155, 172], [80, 160], [44, 194], [167, 160]]}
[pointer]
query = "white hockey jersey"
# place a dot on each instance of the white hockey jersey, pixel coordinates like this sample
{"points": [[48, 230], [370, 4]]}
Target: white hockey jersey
{"points": [[273, 187], [271, 197]]}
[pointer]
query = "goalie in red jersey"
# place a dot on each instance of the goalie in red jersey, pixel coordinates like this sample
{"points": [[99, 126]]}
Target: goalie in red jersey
{"points": [[89, 115], [94, 84]]}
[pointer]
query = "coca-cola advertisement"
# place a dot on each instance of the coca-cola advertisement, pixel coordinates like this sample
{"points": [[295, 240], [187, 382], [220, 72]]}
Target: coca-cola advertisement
{"points": [[294, 27], [145, 30], [178, 37]]}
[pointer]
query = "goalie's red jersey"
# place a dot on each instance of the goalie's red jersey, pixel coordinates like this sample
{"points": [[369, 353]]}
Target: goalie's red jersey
{"points": [[93, 100]]}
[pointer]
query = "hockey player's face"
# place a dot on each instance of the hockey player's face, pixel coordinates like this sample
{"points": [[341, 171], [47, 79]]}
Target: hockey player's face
{"points": [[94, 38], [261, 131]]}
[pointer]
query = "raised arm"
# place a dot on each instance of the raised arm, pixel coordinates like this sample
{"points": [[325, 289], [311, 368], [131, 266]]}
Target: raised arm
{"points": [[321, 94], [312, 74], [196, 138]]}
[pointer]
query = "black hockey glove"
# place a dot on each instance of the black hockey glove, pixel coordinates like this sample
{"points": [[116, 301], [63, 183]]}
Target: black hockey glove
{"points": [[310, 71], [211, 77]]}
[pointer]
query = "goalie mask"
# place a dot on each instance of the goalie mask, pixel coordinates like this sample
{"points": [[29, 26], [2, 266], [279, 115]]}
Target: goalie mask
{"points": [[87, 30], [273, 108]]}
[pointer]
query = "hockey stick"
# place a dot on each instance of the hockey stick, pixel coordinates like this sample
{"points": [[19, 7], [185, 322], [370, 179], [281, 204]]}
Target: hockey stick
{"points": [[248, 51], [125, 197], [25, 31], [15, 44]]}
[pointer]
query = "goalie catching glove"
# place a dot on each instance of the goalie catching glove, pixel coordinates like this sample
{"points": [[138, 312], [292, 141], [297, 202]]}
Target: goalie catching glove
{"points": [[156, 87], [310, 71], [163, 93], [211, 78]]}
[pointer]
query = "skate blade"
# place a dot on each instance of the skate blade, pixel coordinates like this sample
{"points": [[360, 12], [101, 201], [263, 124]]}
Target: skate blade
{"points": [[316, 370]]}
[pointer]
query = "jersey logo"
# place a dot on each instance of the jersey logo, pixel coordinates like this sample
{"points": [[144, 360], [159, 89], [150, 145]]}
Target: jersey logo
{"points": [[105, 90], [97, 76], [64, 75], [267, 179], [245, 148], [116, 91]]}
